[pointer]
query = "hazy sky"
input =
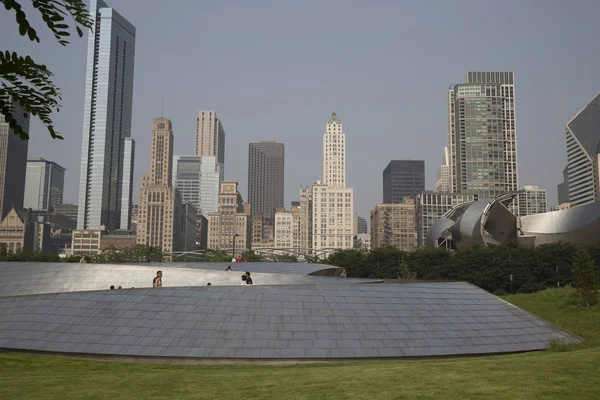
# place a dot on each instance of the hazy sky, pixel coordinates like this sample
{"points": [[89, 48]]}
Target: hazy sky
{"points": [[275, 70]]}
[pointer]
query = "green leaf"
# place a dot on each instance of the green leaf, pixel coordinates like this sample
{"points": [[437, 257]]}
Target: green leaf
{"points": [[31, 33], [63, 33], [79, 32], [22, 29]]}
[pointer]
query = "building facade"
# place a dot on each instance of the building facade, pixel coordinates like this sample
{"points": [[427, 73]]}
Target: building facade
{"points": [[197, 178], [431, 206], [210, 137], [159, 206], [532, 200], [583, 155], [189, 224], [44, 184], [13, 161], [363, 241], [305, 211], [68, 209], [332, 201], [17, 230], [442, 183], [394, 225], [266, 164], [105, 183], [402, 178], [482, 138], [230, 226], [284, 230]]}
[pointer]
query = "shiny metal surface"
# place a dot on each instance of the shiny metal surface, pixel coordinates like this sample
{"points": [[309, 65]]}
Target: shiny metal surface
{"points": [[490, 222], [579, 224], [24, 278], [306, 321], [438, 230]]}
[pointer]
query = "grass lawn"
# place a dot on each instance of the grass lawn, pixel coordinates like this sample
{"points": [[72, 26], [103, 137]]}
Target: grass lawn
{"points": [[573, 374]]}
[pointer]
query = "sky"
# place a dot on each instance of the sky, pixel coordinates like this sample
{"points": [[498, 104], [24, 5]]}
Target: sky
{"points": [[276, 70]]}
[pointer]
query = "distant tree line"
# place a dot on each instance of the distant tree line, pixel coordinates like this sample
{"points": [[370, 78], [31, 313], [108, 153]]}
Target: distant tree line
{"points": [[491, 268]]}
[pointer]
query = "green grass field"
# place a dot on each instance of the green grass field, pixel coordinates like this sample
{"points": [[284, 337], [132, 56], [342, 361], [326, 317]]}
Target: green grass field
{"points": [[570, 372]]}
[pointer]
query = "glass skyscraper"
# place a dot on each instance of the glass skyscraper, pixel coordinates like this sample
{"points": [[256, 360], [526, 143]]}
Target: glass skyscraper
{"points": [[197, 178], [482, 139], [583, 155], [105, 183], [266, 164], [403, 178], [44, 184], [13, 162]]}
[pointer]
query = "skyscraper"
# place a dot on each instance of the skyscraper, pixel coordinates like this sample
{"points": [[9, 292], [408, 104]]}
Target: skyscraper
{"points": [[394, 225], [13, 162], [197, 178], [482, 139], [44, 184], [106, 148], [403, 178], [334, 154], [583, 154], [563, 188], [210, 137], [442, 183], [230, 226], [159, 221], [332, 201], [532, 200], [265, 176]]}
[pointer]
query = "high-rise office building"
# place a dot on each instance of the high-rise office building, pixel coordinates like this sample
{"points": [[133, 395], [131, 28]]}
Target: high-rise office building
{"points": [[284, 230], [394, 225], [362, 226], [332, 201], [189, 225], [482, 139], [306, 210], [265, 176], [44, 184], [334, 154], [70, 210], [442, 183], [583, 155], [532, 200], [403, 178], [230, 226], [563, 187], [197, 178], [13, 162], [430, 206], [159, 220], [210, 137], [107, 148]]}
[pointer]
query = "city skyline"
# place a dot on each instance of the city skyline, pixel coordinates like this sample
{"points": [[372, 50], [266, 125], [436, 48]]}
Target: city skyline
{"points": [[370, 108]]}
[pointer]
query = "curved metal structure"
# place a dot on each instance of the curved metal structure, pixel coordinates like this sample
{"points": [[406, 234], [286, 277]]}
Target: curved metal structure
{"points": [[24, 278], [302, 318], [491, 222], [579, 224]]}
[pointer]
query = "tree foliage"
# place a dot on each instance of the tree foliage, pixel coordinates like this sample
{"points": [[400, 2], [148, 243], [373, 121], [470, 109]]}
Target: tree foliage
{"points": [[251, 256], [139, 253], [27, 83], [585, 277], [532, 268]]}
